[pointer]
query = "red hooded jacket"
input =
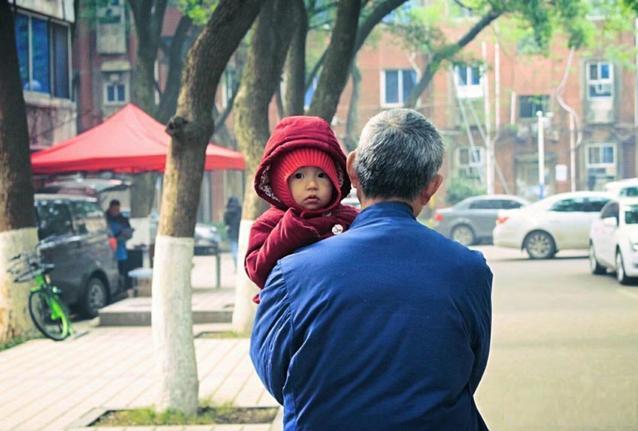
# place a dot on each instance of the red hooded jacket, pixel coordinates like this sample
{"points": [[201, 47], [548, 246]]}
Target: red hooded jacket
{"points": [[281, 230]]}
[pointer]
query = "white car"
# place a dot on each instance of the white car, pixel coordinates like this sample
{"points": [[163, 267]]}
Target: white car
{"points": [[559, 222], [623, 188], [614, 240]]}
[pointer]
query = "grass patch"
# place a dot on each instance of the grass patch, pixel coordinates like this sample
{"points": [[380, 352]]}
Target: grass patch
{"points": [[15, 342], [224, 414], [220, 334]]}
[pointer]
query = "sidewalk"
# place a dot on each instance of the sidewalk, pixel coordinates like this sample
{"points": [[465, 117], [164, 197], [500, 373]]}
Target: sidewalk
{"points": [[210, 304], [49, 386]]}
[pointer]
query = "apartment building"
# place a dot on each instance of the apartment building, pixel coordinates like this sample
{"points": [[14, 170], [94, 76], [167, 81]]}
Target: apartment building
{"points": [[43, 40], [490, 98]]}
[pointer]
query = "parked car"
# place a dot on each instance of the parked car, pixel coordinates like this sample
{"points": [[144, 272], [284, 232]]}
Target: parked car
{"points": [[473, 219], [207, 240], [613, 240], [74, 237], [558, 222], [623, 188], [352, 200]]}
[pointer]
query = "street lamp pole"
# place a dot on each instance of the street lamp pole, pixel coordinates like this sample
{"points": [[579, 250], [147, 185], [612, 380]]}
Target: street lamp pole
{"points": [[541, 155]]}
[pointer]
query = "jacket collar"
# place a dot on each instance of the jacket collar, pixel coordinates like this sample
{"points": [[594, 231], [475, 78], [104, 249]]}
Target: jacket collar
{"points": [[389, 209]]}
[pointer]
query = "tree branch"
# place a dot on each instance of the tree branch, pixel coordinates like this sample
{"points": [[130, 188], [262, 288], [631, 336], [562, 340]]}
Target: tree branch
{"points": [[446, 52], [168, 101], [463, 5], [337, 62], [215, 44], [229, 105], [315, 69], [157, 19], [375, 17], [295, 67]]}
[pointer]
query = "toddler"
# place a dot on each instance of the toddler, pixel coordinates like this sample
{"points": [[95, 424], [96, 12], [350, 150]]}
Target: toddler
{"points": [[303, 175]]}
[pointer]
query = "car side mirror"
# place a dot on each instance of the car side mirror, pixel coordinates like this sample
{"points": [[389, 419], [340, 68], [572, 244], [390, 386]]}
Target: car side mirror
{"points": [[610, 221]]}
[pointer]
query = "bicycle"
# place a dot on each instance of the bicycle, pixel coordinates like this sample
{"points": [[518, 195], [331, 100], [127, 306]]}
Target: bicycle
{"points": [[48, 312]]}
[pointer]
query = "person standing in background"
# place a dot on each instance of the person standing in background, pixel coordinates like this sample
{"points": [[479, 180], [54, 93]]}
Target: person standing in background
{"points": [[121, 230], [232, 219]]}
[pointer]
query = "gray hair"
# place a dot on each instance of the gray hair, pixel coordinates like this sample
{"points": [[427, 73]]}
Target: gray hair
{"points": [[399, 153]]}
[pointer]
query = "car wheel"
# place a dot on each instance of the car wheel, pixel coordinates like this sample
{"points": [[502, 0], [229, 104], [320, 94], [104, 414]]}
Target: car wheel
{"points": [[595, 267], [95, 297], [621, 275], [463, 234], [540, 245]]}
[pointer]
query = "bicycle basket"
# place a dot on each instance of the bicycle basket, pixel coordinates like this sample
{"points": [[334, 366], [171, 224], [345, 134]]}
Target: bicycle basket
{"points": [[26, 266]]}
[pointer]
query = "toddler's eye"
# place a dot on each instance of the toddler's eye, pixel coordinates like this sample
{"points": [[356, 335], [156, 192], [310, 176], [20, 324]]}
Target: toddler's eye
{"points": [[322, 175], [298, 175]]}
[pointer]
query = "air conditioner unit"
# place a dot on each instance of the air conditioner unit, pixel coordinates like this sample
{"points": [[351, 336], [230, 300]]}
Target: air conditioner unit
{"points": [[600, 111]]}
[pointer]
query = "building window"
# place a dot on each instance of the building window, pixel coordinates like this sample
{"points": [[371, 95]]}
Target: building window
{"points": [[468, 81], [396, 86], [530, 105], [601, 155], [601, 165], [469, 162], [43, 55], [116, 91], [600, 80]]}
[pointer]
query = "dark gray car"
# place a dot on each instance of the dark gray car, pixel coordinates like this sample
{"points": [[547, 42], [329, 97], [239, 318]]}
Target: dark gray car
{"points": [[472, 220], [73, 236]]}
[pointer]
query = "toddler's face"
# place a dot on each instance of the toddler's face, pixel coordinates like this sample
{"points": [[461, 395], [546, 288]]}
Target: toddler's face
{"points": [[310, 188]]}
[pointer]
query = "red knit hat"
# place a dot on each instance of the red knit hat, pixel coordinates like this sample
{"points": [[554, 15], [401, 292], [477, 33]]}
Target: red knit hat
{"points": [[293, 160]]}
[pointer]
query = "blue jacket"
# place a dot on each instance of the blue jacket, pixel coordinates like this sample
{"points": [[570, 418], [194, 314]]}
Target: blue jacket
{"points": [[121, 230], [385, 327]]}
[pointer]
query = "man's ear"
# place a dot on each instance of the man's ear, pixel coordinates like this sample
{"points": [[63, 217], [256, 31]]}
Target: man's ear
{"points": [[352, 172], [429, 190]]}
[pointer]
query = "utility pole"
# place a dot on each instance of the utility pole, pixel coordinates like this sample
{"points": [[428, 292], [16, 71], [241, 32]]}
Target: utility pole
{"points": [[489, 142], [541, 151]]}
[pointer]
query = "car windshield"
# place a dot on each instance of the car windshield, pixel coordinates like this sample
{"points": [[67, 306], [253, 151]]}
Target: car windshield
{"points": [[631, 214], [629, 191]]}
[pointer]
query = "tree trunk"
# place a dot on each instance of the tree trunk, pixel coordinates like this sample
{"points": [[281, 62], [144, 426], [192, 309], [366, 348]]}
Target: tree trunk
{"points": [[190, 130], [148, 16], [17, 220], [351, 139], [143, 82], [261, 77], [296, 64], [339, 56], [142, 188]]}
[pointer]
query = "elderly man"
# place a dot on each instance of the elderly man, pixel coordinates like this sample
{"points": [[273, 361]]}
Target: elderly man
{"points": [[386, 326]]}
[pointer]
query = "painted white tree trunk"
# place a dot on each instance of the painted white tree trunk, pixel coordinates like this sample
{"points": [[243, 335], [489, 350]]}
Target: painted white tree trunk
{"points": [[172, 320], [244, 312], [14, 297]]}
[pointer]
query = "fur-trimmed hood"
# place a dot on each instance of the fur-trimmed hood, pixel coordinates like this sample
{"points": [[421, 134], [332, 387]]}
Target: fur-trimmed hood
{"points": [[301, 132]]}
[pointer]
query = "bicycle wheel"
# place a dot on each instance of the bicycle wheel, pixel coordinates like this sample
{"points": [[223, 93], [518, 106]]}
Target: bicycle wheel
{"points": [[53, 325]]}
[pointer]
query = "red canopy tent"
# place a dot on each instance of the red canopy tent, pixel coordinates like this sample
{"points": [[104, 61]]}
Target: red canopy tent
{"points": [[130, 141]]}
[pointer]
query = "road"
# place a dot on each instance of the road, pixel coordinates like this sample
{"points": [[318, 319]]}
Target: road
{"points": [[564, 350]]}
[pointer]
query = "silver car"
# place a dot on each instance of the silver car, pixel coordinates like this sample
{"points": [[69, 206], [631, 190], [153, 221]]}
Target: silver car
{"points": [[472, 220]]}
